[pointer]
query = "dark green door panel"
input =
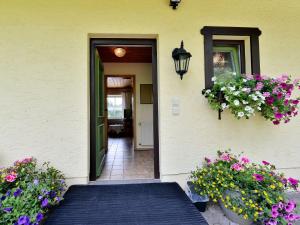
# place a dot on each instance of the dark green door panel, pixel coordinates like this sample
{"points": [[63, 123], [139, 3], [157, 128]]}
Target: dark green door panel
{"points": [[99, 115]]}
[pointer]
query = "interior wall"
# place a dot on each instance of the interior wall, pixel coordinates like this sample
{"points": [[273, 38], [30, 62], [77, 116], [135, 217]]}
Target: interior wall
{"points": [[143, 75], [44, 74]]}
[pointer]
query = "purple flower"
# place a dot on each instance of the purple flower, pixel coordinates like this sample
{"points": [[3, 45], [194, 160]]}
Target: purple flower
{"points": [[45, 203], [266, 163], [289, 217], [57, 199], [23, 220], [278, 115], [39, 217], [275, 213], [271, 222], [270, 100], [258, 177], [18, 192], [40, 197], [52, 194], [276, 122], [8, 209], [36, 182], [290, 206], [279, 95], [295, 102], [207, 160], [259, 86], [293, 181], [275, 208]]}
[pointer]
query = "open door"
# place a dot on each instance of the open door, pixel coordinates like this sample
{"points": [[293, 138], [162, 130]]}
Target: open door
{"points": [[98, 142]]}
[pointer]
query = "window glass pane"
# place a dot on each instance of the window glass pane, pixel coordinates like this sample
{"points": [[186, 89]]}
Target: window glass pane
{"points": [[115, 107], [226, 62]]}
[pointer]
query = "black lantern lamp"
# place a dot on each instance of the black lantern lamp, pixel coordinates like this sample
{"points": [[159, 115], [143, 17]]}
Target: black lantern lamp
{"points": [[181, 59], [174, 3]]}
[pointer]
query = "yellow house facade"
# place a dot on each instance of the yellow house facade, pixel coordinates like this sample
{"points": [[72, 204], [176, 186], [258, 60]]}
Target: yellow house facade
{"points": [[45, 79]]}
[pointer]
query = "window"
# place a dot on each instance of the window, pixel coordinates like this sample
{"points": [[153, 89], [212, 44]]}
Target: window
{"points": [[226, 57], [115, 107]]}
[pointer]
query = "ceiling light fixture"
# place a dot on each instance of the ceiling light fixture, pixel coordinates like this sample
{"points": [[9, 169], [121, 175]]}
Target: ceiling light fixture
{"points": [[120, 52]]}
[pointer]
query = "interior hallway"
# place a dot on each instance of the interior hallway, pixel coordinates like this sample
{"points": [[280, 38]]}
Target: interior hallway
{"points": [[123, 163]]}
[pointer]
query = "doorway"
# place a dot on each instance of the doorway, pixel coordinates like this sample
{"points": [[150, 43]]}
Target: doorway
{"points": [[116, 130]]}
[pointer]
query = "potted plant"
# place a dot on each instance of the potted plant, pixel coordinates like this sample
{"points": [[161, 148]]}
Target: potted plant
{"points": [[27, 192], [247, 192], [200, 201], [246, 95]]}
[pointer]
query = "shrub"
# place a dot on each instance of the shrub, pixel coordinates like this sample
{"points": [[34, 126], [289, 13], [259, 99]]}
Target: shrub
{"points": [[261, 190], [27, 192]]}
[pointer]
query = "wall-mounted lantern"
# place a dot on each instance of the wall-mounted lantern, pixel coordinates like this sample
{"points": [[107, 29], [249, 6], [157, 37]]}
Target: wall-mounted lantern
{"points": [[181, 59], [174, 3]]}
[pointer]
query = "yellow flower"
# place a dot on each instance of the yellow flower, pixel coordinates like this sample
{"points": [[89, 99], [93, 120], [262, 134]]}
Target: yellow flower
{"points": [[272, 186], [245, 216]]}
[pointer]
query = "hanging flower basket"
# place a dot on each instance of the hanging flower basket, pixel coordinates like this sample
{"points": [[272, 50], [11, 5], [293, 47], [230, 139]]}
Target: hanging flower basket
{"points": [[246, 95]]}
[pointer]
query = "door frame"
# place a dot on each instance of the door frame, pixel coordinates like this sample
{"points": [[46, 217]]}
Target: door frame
{"points": [[94, 43], [133, 105]]}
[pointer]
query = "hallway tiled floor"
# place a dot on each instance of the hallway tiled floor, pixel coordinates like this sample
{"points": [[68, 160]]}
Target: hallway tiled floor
{"points": [[123, 163]]}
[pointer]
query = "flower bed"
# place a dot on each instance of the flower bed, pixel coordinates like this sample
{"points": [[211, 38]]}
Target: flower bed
{"points": [[27, 192], [245, 95], [261, 190]]}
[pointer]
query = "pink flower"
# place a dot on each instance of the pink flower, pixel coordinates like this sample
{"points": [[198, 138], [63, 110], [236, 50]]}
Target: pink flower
{"points": [[275, 213], [278, 115], [266, 163], [11, 177], [258, 177], [245, 160], [237, 167], [290, 206], [293, 181], [249, 77], [259, 86], [266, 94], [208, 161], [295, 102], [225, 157]]}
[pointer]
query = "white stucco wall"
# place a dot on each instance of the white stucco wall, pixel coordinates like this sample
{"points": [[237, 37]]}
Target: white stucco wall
{"points": [[143, 75], [44, 84]]}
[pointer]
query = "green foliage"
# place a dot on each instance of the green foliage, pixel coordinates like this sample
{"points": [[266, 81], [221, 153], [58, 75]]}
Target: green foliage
{"points": [[248, 189], [27, 192]]}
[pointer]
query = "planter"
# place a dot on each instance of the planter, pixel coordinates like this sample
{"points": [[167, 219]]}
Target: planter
{"points": [[234, 217], [198, 200]]}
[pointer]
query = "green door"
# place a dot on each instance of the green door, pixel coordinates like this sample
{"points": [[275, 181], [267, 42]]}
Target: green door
{"points": [[99, 115]]}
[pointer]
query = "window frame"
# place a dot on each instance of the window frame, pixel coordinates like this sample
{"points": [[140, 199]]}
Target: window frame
{"points": [[209, 31]]}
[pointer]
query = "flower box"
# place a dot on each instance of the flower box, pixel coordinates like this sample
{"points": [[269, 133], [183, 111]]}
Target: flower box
{"points": [[198, 200]]}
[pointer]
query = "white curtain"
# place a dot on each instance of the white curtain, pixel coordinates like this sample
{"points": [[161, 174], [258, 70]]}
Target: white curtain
{"points": [[126, 100]]}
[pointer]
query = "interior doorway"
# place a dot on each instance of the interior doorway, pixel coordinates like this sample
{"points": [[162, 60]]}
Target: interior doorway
{"points": [[124, 109]]}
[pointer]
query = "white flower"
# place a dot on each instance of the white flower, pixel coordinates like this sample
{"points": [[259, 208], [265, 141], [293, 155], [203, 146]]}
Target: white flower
{"points": [[254, 97], [248, 108], [244, 80], [236, 102], [245, 102], [232, 88], [214, 79], [227, 98], [241, 114], [223, 88], [236, 93], [259, 108], [224, 105], [207, 91]]}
